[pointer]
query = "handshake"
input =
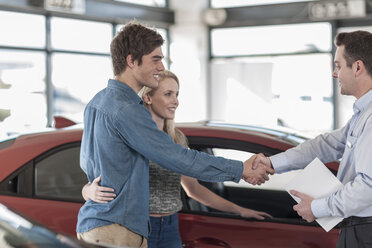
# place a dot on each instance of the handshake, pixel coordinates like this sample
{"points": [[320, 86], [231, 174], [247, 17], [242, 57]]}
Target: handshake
{"points": [[257, 169]]}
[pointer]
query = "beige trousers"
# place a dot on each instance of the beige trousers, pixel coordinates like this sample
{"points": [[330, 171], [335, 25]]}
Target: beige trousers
{"points": [[113, 234]]}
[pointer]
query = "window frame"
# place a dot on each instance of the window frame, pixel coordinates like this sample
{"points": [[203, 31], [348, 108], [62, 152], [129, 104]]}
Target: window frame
{"points": [[25, 177], [112, 12], [206, 144], [47, 155]]}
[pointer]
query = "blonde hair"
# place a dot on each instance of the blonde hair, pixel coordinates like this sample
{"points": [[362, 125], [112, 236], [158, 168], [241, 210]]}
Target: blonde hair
{"points": [[169, 125]]}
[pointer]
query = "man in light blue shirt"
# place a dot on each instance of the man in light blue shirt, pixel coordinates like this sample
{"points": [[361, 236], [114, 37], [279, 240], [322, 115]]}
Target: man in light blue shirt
{"points": [[120, 138], [352, 143]]}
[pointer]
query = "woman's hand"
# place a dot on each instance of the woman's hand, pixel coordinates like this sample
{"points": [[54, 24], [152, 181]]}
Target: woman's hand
{"points": [[249, 213], [98, 193]]}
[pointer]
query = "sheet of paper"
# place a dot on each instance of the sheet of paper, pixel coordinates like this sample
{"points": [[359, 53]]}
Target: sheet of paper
{"points": [[317, 181]]}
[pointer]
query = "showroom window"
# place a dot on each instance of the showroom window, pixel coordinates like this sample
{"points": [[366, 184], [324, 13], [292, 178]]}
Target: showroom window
{"points": [[22, 73], [19, 29], [74, 85], [154, 3], [22, 91], [238, 3], [81, 64], [54, 64], [264, 78], [59, 176], [78, 35], [271, 39]]}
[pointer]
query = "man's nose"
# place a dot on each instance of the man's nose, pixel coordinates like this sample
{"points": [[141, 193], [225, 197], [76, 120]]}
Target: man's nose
{"points": [[161, 66]]}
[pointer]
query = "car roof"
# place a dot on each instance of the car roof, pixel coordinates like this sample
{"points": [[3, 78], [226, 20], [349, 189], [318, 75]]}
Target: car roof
{"points": [[20, 149], [285, 135]]}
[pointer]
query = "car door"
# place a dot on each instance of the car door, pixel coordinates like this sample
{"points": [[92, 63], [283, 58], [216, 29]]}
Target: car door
{"points": [[48, 188], [202, 226]]}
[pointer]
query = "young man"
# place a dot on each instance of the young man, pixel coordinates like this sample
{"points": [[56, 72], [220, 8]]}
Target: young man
{"points": [[353, 61], [120, 138]]}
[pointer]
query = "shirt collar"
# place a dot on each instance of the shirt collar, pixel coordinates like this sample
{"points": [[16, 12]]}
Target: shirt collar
{"points": [[363, 102], [112, 83]]}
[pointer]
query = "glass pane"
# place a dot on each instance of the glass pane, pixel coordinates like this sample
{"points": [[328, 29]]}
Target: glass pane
{"points": [[163, 33], [272, 91], [271, 39], [155, 3], [237, 3], [22, 29], [22, 91], [351, 29], [75, 85], [78, 35], [59, 175]]}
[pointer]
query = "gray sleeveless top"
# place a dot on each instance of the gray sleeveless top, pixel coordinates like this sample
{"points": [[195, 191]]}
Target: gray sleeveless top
{"points": [[165, 190]]}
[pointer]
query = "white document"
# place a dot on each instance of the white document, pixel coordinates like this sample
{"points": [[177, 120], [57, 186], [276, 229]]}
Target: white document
{"points": [[316, 181]]}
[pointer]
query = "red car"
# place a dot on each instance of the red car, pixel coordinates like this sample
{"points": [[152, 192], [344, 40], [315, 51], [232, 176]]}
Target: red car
{"points": [[41, 178]]}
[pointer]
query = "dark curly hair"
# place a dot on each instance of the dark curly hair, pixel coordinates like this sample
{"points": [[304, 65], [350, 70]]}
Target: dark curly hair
{"points": [[135, 39], [358, 46]]}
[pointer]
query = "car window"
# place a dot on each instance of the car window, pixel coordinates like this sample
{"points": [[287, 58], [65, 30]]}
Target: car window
{"points": [[270, 197], [59, 176], [276, 182]]}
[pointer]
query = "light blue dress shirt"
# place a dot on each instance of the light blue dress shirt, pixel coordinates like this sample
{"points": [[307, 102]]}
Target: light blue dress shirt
{"points": [[118, 141], [352, 143]]}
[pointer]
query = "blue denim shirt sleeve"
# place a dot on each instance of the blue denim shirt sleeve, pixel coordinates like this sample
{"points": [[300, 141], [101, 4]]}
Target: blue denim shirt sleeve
{"points": [[142, 134]]}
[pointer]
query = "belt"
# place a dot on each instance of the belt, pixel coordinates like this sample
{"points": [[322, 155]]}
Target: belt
{"points": [[354, 220]]}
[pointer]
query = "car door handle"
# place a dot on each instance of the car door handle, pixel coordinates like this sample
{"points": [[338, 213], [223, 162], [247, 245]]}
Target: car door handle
{"points": [[206, 243]]}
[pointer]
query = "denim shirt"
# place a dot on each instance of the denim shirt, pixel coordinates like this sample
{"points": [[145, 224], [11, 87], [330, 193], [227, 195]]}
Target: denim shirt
{"points": [[118, 141], [351, 143]]}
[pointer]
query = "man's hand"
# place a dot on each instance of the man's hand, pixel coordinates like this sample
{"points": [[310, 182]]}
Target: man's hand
{"points": [[263, 160], [257, 176], [304, 207], [98, 193]]}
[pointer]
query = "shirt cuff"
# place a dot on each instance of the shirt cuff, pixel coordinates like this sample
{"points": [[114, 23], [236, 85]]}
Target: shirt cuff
{"points": [[235, 168], [279, 163], [319, 207]]}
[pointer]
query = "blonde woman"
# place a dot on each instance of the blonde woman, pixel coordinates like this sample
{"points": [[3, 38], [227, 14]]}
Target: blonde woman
{"points": [[165, 185]]}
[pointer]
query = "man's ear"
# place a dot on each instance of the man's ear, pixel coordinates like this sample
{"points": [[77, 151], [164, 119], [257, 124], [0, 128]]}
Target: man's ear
{"points": [[130, 61], [359, 67]]}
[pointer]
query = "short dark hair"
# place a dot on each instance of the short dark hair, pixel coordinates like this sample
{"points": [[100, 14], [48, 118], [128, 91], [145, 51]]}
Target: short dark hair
{"points": [[358, 46], [135, 39]]}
